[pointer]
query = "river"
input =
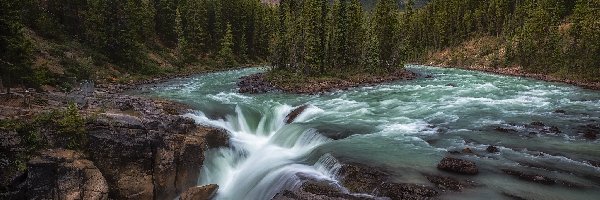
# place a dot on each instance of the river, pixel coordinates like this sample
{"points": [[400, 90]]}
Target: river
{"points": [[404, 127]]}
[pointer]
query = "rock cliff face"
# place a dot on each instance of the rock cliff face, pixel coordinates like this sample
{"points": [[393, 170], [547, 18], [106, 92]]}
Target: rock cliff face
{"points": [[64, 174], [135, 149]]}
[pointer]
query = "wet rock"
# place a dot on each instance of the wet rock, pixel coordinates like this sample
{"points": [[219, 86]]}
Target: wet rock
{"points": [[492, 149], [590, 131], [200, 192], [363, 179], [539, 124], [594, 163], [467, 150], [402, 191], [319, 190], [254, 84], [530, 177], [590, 135], [559, 111], [215, 138], [536, 178], [451, 85], [554, 129], [64, 174], [458, 166], [294, 114], [454, 152], [505, 130], [446, 183], [513, 196]]}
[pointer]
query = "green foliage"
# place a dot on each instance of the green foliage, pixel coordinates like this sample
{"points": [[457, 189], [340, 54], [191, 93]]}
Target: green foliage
{"points": [[15, 48], [226, 57]]}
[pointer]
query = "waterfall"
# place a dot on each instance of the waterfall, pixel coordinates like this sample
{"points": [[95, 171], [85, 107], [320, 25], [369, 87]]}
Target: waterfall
{"points": [[265, 157]]}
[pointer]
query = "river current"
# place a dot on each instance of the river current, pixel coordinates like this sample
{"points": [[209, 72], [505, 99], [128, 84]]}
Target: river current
{"points": [[404, 127]]}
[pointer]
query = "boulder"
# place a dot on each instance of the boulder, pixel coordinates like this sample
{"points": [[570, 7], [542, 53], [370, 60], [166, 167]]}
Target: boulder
{"points": [[151, 156], [458, 166], [537, 178], [492, 149], [205, 192], [294, 114], [559, 111], [446, 183], [64, 174], [505, 130], [364, 179]]}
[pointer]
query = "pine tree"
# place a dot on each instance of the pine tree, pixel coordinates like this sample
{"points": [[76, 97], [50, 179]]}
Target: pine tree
{"points": [[370, 59], [226, 57], [386, 22], [15, 56]]}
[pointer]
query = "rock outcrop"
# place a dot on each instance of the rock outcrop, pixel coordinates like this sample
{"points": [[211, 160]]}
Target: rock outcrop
{"points": [[150, 157], [458, 166], [63, 174], [134, 148], [294, 114], [205, 192], [362, 179]]}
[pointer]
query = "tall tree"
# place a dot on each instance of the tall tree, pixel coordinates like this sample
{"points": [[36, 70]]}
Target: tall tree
{"points": [[15, 56]]}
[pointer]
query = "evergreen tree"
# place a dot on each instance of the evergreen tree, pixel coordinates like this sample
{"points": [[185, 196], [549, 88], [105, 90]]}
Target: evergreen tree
{"points": [[15, 56], [386, 22], [226, 57]]}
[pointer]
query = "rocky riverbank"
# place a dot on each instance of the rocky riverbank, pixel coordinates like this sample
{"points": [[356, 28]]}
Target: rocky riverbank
{"points": [[131, 147], [264, 82]]}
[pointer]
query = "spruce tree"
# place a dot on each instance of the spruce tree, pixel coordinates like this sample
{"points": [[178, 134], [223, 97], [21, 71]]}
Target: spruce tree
{"points": [[226, 57], [15, 56]]}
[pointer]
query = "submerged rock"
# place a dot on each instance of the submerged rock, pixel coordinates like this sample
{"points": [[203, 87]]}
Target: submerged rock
{"points": [[505, 130], [458, 166], [364, 179], [536, 178], [559, 111], [319, 190], [446, 183], [467, 150], [404, 191], [295, 113], [492, 149], [590, 131], [205, 192]]}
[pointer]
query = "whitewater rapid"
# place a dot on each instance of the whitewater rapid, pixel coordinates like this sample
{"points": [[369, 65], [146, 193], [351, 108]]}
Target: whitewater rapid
{"points": [[403, 127], [263, 157]]}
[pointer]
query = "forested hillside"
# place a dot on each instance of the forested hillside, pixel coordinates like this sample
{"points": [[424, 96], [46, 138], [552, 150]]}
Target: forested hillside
{"points": [[50, 42], [59, 41], [557, 37]]}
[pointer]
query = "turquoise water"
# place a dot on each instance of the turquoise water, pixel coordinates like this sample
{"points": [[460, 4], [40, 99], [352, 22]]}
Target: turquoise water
{"points": [[404, 127]]}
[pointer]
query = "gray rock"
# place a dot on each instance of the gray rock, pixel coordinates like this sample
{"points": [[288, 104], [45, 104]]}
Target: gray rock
{"points": [[64, 174]]}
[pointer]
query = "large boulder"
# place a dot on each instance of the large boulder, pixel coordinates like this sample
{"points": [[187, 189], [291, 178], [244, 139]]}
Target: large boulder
{"points": [[294, 114], [364, 179], [149, 157], [458, 166], [205, 192], [64, 174]]}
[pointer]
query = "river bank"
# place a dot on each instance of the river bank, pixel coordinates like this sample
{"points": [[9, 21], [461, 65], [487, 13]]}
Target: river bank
{"points": [[96, 142], [519, 72]]}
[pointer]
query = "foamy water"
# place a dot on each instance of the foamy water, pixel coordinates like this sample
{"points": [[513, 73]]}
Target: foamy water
{"points": [[404, 127]]}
